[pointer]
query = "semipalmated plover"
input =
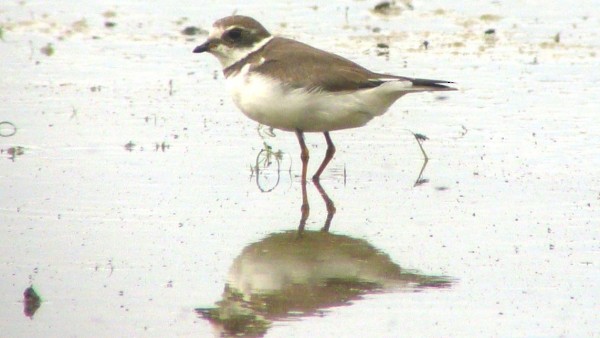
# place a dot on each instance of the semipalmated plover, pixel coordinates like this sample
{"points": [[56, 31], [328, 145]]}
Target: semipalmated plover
{"points": [[288, 85]]}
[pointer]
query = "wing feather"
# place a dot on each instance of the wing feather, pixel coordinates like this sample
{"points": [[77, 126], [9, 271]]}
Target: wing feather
{"points": [[302, 66]]}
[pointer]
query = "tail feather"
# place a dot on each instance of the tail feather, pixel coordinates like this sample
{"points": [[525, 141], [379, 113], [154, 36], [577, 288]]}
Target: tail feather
{"points": [[418, 85], [433, 85]]}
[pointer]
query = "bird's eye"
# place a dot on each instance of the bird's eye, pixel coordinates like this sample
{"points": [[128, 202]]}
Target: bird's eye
{"points": [[234, 34]]}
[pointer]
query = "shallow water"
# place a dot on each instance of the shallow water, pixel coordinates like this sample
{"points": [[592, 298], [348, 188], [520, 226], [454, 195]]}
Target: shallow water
{"points": [[130, 198]]}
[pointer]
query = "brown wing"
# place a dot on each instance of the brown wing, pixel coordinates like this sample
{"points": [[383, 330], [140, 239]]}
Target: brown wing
{"points": [[300, 65]]}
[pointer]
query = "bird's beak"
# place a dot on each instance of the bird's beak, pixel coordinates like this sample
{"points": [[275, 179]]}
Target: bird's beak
{"points": [[205, 47]]}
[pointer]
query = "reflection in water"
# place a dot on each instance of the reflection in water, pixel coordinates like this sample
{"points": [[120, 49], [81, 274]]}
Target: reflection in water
{"points": [[420, 139], [285, 276], [31, 302], [268, 168], [7, 129], [267, 159], [300, 273], [268, 162]]}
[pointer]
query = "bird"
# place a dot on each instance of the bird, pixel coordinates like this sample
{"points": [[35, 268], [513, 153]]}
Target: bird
{"points": [[289, 85]]}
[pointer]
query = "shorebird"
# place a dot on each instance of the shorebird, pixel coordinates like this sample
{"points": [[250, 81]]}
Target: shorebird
{"points": [[289, 85]]}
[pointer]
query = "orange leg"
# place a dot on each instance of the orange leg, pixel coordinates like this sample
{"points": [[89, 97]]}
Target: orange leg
{"points": [[327, 159], [328, 203], [304, 157]]}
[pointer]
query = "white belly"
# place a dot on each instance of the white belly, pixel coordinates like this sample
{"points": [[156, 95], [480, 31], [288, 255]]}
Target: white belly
{"points": [[267, 102]]}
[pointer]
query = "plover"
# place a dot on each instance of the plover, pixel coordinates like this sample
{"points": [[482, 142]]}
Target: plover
{"points": [[289, 85]]}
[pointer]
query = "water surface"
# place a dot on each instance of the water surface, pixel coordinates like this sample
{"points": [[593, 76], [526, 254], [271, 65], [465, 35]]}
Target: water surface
{"points": [[130, 200]]}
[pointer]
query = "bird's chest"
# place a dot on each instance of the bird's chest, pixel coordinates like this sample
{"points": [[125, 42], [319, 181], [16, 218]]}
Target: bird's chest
{"points": [[256, 95], [245, 86]]}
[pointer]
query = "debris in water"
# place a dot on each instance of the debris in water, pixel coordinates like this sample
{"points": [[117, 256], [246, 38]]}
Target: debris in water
{"points": [[390, 8], [7, 129], [129, 146], [109, 14], [383, 49], [31, 301], [13, 152], [47, 50], [192, 30]]}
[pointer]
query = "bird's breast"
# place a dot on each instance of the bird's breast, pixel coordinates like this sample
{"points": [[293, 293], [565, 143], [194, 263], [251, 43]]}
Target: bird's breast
{"points": [[270, 102]]}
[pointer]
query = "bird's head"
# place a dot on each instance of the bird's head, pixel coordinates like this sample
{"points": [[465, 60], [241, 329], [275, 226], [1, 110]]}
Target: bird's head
{"points": [[232, 38]]}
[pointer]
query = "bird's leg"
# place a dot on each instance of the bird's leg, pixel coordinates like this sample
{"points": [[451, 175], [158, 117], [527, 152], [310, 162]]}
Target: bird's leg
{"points": [[304, 157], [328, 157], [328, 203]]}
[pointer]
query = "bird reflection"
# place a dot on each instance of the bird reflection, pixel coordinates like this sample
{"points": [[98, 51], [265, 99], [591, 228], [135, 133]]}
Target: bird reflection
{"points": [[300, 273], [286, 276]]}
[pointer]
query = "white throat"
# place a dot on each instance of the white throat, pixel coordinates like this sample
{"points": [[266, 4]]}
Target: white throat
{"points": [[228, 56]]}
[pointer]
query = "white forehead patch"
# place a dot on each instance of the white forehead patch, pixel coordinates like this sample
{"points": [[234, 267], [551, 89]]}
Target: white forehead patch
{"points": [[216, 32]]}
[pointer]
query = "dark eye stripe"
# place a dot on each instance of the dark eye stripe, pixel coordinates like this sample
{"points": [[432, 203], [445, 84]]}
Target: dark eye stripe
{"points": [[234, 33]]}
